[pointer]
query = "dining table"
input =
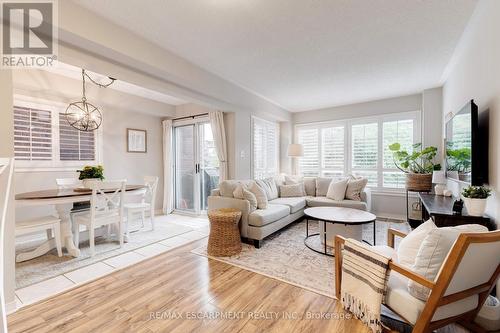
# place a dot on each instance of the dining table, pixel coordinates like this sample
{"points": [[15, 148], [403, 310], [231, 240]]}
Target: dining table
{"points": [[63, 200]]}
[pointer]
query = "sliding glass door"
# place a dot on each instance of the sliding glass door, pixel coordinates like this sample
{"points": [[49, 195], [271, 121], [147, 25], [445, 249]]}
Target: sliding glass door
{"points": [[196, 165]]}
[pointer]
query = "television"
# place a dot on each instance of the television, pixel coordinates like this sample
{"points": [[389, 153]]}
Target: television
{"points": [[467, 146]]}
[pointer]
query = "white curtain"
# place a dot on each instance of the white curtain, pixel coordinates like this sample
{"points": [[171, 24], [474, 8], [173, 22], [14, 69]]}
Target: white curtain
{"points": [[219, 133], [168, 177]]}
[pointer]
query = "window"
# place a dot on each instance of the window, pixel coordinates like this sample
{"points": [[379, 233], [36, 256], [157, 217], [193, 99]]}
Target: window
{"points": [[32, 134], [265, 152], [359, 147], [44, 139], [324, 151]]}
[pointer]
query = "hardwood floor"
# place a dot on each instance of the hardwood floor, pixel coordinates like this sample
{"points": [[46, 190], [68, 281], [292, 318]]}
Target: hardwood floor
{"points": [[182, 292]]}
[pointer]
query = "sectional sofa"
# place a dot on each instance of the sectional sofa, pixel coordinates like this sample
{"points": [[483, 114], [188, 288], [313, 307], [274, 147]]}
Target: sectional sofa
{"points": [[257, 224]]}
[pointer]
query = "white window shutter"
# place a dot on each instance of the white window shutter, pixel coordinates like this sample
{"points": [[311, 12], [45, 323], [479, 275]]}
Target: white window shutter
{"points": [[32, 134]]}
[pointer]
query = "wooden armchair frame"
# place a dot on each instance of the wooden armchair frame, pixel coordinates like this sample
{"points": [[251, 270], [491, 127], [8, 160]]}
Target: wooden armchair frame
{"points": [[438, 287]]}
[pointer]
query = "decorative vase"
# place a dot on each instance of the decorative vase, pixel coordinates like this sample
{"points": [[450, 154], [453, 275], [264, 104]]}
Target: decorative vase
{"points": [[419, 182], [475, 207]]}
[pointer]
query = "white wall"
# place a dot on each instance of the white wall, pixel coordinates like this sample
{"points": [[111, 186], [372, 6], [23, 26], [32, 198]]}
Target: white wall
{"points": [[474, 73], [428, 102], [7, 150]]}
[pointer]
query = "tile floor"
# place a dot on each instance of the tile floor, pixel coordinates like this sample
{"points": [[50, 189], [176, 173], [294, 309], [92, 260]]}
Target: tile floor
{"points": [[58, 284]]}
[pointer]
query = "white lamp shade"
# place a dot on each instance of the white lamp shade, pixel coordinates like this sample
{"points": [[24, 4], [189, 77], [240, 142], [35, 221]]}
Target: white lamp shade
{"points": [[439, 177], [295, 150]]}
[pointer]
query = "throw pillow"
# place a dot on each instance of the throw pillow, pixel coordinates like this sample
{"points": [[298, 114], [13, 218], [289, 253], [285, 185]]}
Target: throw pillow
{"points": [[242, 192], [310, 186], [355, 186], [269, 186], [260, 195], [295, 190], [291, 180], [433, 252], [336, 189], [322, 185], [409, 245]]}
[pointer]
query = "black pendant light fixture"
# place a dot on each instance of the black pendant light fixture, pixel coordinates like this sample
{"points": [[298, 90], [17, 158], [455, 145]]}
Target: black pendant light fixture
{"points": [[82, 115]]}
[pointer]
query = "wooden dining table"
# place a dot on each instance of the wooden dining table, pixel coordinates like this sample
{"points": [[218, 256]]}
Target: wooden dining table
{"points": [[63, 200]]}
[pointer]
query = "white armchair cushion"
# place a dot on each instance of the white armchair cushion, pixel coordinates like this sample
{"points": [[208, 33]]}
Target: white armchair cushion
{"points": [[409, 245], [433, 252], [336, 189], [410, 308], [242, 192]]}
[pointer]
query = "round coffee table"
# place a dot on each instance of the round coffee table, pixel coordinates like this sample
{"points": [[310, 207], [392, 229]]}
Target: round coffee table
{"points": [[349, 217]]}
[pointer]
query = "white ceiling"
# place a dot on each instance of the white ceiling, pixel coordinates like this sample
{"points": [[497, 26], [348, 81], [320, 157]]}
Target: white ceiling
{"points": [[119, 85], [305, 54]]}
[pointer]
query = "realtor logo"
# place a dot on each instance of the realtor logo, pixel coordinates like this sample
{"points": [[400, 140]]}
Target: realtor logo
{"points": [[28, 33]]}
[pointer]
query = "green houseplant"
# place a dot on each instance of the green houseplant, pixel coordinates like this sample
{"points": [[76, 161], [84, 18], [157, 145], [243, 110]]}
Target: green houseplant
{"points": [[417, 163], [91, 172], [474, 198]]}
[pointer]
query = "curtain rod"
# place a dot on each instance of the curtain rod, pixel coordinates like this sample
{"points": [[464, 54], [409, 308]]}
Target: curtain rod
{"points": [[192, 117]]}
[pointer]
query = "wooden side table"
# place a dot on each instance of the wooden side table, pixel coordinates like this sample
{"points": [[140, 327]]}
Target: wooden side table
{"points": [[224, 239]]}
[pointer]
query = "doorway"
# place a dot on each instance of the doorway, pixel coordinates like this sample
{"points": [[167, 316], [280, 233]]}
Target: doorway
{"points": [[196, 167]]}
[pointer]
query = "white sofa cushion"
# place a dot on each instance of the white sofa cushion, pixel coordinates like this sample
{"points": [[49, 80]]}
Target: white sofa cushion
{"points": [[309, 183], [400, 300], [324, 201], [294, 190], [242, 192], [295, 204], [322, 185], [433, 252], [269, 186], [355, 186], [409, 245], [227, 187], [336, 189], [272, 213], [260, 194]]}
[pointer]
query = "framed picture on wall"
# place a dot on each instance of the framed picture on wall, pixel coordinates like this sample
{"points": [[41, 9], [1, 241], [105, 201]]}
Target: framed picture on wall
{"points": [[137, 140]]}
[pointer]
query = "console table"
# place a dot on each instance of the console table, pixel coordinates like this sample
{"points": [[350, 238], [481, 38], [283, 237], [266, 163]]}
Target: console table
{"points": [[440, 208]]}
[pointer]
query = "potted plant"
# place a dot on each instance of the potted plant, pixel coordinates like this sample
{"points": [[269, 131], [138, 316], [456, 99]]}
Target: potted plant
{"points": [[91, 173], [417, 164], [474, 198]]}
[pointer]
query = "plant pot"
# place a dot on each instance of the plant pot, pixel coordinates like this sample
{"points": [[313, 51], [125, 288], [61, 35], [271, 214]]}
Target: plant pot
{"points": [[419, 182], [85, 184], [475, 207]]}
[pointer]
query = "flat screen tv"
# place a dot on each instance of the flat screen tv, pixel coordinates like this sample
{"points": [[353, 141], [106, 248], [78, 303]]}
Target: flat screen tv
{"points": [[467, 146]]}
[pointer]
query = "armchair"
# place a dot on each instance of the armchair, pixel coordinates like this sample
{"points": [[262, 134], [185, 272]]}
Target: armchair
{"points": [[458, 292]]}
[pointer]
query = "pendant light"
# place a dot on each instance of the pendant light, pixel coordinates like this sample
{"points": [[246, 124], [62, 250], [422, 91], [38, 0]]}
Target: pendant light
{"points": [[82, 115]]}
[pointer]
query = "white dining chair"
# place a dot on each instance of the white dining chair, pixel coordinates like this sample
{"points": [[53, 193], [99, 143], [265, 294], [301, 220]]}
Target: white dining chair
{"points": [[106, 208], [71, 183], [147, 204], [6, 171], [50, 224]]}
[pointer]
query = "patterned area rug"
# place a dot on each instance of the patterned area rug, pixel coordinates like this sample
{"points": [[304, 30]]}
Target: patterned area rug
{"points": [[283, 256], [50, 265]]}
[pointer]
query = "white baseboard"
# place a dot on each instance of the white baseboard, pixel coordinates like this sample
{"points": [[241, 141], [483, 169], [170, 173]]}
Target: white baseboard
{"points": [[11, 307]]}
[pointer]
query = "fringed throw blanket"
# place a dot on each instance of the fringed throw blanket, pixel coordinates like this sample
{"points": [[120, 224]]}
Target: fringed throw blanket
{"points": [[364, 278]]}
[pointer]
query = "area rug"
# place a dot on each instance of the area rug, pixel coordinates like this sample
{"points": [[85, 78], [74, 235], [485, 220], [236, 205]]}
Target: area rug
{"points": [[283, 256], [50, 265]]}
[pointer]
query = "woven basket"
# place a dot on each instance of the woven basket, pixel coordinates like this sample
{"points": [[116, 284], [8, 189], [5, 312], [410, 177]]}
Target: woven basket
{"points": [[224, 239], [419, 182]]}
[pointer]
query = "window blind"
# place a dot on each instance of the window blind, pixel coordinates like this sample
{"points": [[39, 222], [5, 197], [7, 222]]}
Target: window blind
{"points": [[32, 134], [75, 145], [400, 131], [265, 148], [332, 151], [309, 163]]}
